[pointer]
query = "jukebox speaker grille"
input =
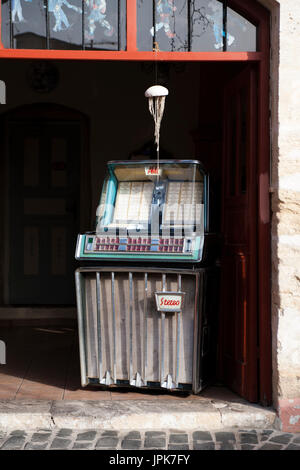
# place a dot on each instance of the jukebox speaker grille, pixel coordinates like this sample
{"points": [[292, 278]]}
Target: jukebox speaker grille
{"points": [[124, 339]]}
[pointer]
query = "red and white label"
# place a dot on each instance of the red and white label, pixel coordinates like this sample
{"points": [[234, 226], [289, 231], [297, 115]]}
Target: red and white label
{"points": [[169, 302], [152, 171]]}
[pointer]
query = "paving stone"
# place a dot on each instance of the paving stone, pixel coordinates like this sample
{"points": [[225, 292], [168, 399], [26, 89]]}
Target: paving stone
{"points": [[64, 433], [293, 447], [82, 445], [224, 436], [266, 433], [248, 431], [155, 442], [13, 443], [248, 438], [281, 438], [202, 436], [178, 447], [110, 433], [108, 442], [247, 446], [18, 432], [154, 433], [133, 435], [178, 438], [60, 443], [296, 439], [204, 446], [269, 446], [40, 437], [131, 444], [86, 436], [32, 446], [226, 446]]}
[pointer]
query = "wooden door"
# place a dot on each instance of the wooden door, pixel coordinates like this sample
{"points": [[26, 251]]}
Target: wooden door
{"points": [[239, 309], [44, 160]]}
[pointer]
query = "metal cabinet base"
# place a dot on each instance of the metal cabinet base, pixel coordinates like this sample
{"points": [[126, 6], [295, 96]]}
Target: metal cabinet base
{"points": [[124, 340]]}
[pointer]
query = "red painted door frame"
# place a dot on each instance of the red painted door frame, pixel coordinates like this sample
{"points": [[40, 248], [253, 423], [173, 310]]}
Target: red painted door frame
{"points": [[258, 15]]}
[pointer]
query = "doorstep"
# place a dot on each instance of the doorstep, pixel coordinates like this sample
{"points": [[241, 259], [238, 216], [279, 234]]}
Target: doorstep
{"points": [[205, 414]]}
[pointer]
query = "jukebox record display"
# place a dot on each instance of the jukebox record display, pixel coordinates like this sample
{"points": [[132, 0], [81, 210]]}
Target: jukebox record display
{"points": [[151, 212], [133, 201]]}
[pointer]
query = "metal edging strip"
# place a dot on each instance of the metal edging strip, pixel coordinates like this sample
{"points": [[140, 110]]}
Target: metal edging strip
{"points": [[197, 323], [81, 328], [130, 329], [145, 330], [178, 334], [114, 326], [162, 350], [98, 298]]}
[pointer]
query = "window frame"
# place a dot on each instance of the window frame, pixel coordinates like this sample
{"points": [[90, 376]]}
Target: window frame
{"points": [[252, 11]]}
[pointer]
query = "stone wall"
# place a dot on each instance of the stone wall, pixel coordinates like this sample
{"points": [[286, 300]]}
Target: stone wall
{"points": [[285, 197]]}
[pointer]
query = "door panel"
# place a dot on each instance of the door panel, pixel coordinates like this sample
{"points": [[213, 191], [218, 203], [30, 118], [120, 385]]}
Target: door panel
{"points": [[238, 332], [44, 191]]}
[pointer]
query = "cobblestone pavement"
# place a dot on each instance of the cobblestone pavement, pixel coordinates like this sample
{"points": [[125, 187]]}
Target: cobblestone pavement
{"points": [[68, 439]]}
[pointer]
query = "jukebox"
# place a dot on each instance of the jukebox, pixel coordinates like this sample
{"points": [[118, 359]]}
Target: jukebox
{"points": [[146, 297]]}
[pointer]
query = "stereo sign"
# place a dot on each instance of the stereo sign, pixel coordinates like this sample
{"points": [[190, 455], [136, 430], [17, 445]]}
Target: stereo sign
{"points": [[169, 301]]}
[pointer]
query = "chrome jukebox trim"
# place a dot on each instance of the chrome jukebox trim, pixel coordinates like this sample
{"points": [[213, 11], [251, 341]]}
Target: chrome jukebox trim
{"points": [[100, 372], [138, 376], [81, 329]]}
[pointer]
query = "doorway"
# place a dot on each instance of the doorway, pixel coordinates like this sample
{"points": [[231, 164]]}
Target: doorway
{"points": [[198, 95]]}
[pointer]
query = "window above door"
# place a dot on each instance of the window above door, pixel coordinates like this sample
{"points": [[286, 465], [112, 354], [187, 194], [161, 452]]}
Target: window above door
{"points": [[78, 28], [64, 24], [192, 25]]}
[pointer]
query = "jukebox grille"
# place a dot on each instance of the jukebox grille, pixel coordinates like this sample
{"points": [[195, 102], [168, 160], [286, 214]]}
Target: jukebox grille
{"points": [[124, 339]]}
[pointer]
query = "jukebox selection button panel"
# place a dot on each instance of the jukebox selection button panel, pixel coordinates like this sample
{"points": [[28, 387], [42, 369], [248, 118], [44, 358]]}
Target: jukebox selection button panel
{"points": [[172, 245]]}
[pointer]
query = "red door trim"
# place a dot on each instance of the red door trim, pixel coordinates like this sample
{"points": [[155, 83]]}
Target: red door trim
{"points": [[131, 25], [260, 16], [264, 227], [131, 55]]}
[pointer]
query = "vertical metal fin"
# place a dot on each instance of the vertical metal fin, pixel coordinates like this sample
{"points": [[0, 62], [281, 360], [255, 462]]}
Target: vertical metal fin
{"points": [[81, 329], [131, 379], [162, 348], [145, 330], [178, 315], [98, 299], [114, 326]]}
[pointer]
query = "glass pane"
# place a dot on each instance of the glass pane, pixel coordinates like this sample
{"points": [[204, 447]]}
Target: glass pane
{"points": [[101, 26], [203, 32], [5, 23], [136, 192], [28, 19], [206, 25], [65, 21], [171, 25], [105, 24], [144, 25], [241, 34]]}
